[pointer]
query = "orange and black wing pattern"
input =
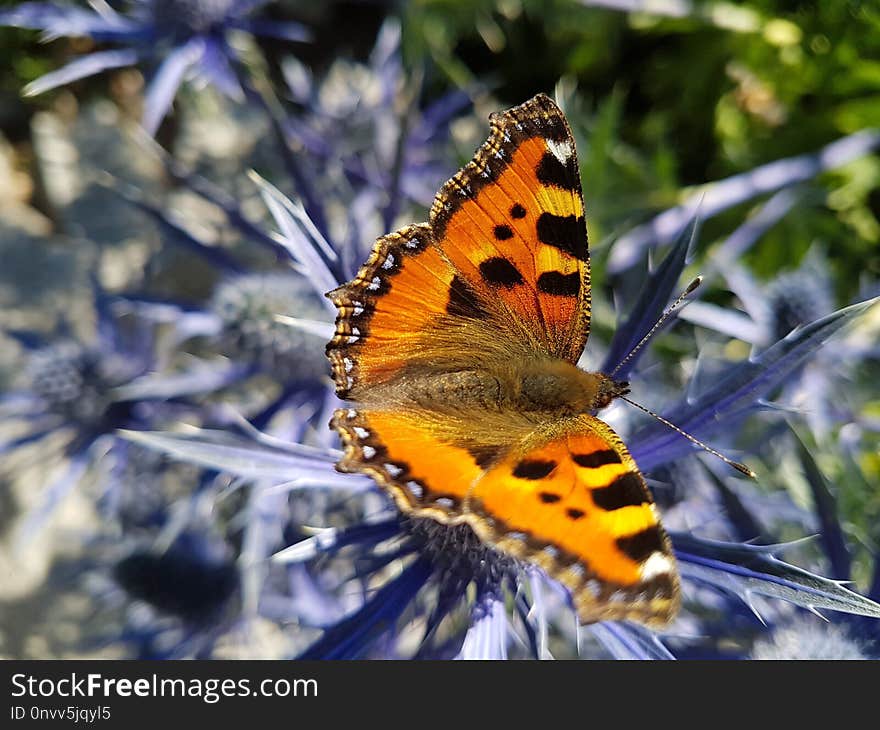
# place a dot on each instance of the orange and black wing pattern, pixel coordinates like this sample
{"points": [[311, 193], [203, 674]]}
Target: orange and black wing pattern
{"points": [[503, 263], [512, 222], [386, 310], [572, 500], [425, 474], [498, 280], [568, 498]]}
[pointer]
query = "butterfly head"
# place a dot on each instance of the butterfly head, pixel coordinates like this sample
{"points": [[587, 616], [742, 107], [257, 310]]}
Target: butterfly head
{"points": [[609, 389]]}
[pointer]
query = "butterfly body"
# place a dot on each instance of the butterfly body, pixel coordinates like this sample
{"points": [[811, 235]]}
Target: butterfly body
{"points": [[544, 390], [457, 345]]}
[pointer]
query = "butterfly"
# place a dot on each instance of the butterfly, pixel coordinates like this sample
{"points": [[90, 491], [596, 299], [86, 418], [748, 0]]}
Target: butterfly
{"points": [[456, 347]]}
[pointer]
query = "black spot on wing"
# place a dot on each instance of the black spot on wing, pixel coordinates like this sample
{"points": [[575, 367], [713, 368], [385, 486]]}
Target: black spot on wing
{"points": [[503, 233], [533, 469], [462, 301], [548, 497], [624, 491], [565, 232], [558, 284], [498, 271], [574, 514], [551, 171], [597, 458], [517, 211], [639, 547]]}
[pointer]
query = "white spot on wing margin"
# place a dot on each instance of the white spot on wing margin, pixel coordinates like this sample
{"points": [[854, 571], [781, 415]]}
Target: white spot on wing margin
{"points": [[561, 150], [656, 564]]}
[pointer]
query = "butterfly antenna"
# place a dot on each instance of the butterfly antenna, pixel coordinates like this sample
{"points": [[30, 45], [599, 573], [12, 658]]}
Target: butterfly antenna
{"points": [[667, 313], [735, 464]]}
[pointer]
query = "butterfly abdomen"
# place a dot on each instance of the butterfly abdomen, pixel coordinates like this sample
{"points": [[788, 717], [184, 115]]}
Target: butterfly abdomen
{"points": [[463, 388]]}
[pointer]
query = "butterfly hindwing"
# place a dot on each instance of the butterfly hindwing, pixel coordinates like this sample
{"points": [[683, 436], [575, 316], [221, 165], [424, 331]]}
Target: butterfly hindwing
{"points": [[571, 499], [426, 474]]}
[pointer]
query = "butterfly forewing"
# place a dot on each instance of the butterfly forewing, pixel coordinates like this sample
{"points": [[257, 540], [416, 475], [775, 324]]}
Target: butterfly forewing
{"points": [[512, 222]]}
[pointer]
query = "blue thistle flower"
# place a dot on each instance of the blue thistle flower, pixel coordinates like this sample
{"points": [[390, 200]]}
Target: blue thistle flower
{"points": [[248, 307], [72, 398], [441, 561], [186, 580], [380, 155], [176, 597], [791, 299], [74, 382], [797, 298], [176, 38], [361, 124], [147, 483], [771, 311]]}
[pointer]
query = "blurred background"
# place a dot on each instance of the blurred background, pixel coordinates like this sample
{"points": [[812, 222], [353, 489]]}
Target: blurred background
{"points": [[127, 252]]}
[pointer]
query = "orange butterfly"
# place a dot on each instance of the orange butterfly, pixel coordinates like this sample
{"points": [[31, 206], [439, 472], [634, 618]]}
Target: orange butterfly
{"points": [[457, 345]]}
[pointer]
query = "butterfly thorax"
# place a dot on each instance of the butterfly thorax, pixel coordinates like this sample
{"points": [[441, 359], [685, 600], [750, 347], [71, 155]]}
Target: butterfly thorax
{"points": [[558, 387]]}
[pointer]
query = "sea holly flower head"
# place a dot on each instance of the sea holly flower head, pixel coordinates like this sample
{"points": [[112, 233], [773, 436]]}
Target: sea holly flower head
{"points": [[72, 397], [441, 566], [248, 307], [74, 382], [191, 579], [176, 39], [174, 586], [770, 311], [796, 298], [809, 637], [383, 156], [182, 18]]}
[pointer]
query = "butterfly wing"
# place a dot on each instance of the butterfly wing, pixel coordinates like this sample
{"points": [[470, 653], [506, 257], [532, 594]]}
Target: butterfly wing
{"points": [[512, 223], [571, 499], [567, 497], [408, 312], [503, 266], [428, 476]]}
